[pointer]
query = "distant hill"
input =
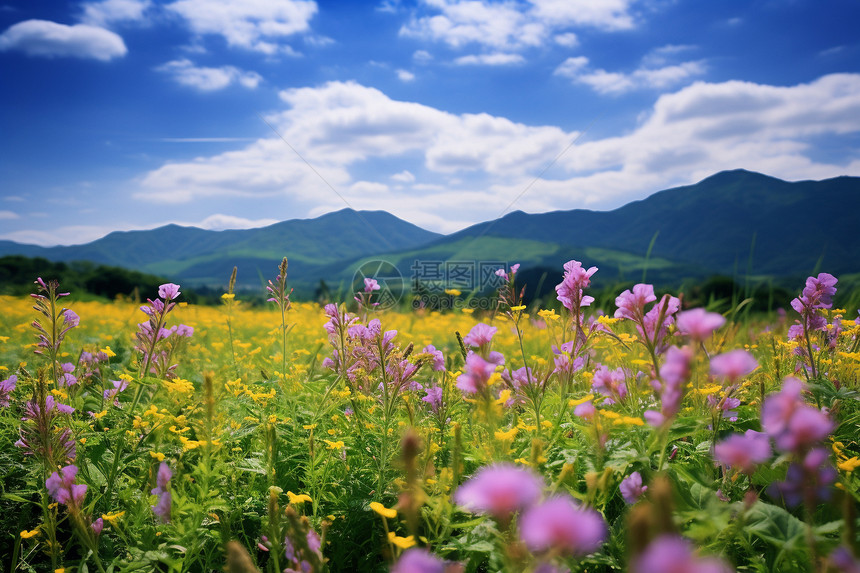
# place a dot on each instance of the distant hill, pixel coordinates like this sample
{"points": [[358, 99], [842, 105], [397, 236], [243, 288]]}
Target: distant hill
{"points": [[207, 257], [788, 229], [729, 223]]}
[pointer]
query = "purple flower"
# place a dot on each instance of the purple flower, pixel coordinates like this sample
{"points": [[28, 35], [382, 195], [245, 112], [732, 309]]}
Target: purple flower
{"points": [[586, 410], [480, 335], [844, 561], [370, 285], [7, 386], [793, 424], [168, 291], [520, 377], [477, 374], [62, 487], [70, 319], [416, 560], [631, 305], [161, 489], [183, 330], [733, 365], [560, 525], [743, 451], [727, 405], [499, 490], [610, 383], [572, 284], [162, 508], [809, 480], [819, 291], [98, 525], [438, 357], [673, 554], [631, 488], [112, 393], [433, 397], [699, 324]]}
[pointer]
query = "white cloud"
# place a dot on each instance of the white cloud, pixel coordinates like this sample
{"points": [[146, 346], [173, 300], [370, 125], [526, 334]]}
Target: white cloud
{"points": [[567, 39], [209, 79], [511, 26], [422, 56], [405, 75], [8, 215], [474, 165], [404, 176], [111, 11], [655, 72], [497, 59], [220, 222], [50, 39], [249, 24]]}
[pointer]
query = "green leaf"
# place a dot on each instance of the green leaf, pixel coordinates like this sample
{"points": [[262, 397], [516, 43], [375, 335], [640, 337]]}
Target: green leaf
{"points": [[775, 525]]}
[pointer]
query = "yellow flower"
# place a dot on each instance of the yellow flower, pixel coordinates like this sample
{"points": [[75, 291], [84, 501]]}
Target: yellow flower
{"points": [[157, 455], [519, 308], [296, 499], [401, 542], [113, 516], [338, 445], [452, 292], [579, 401], [507, 435], [28, 534], [468, 310], [849, 465], [60, 570], [548, 314], [228, 296], [382, 510], [110, 353]]}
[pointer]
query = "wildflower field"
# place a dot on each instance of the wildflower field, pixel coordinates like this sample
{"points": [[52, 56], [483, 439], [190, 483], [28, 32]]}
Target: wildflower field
{"points": [[644, 437]]}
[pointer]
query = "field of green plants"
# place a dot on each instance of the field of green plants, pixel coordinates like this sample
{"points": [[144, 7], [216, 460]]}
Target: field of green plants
{"points": [[643, 437]]}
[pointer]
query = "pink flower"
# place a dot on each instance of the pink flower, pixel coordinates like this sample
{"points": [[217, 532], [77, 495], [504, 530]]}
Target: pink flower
{"points": [[168, 291], [733, 365], [480, 335], [63, 488], [560, 525], [743, 452], [673, 554], [500, 490], [415, 560], [794, 425], [477, 374], [699, 324], [370, 285], [631, 488], [631, 305]]}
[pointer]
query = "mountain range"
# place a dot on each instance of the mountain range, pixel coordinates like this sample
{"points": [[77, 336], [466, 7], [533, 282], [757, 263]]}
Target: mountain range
{"points": [[732, 223]]}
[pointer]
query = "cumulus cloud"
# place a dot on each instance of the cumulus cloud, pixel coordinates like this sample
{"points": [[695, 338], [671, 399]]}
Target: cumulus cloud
{"points": [[477, 164], [257, 25], [220, 222], [8, 215], [496, 59], [405, 75], [109, 12], [50, 39], [655, 72], [512, 26], [209, 79]]}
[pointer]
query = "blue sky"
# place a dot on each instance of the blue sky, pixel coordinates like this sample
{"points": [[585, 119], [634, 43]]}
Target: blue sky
{"points": [[131, 114]]}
